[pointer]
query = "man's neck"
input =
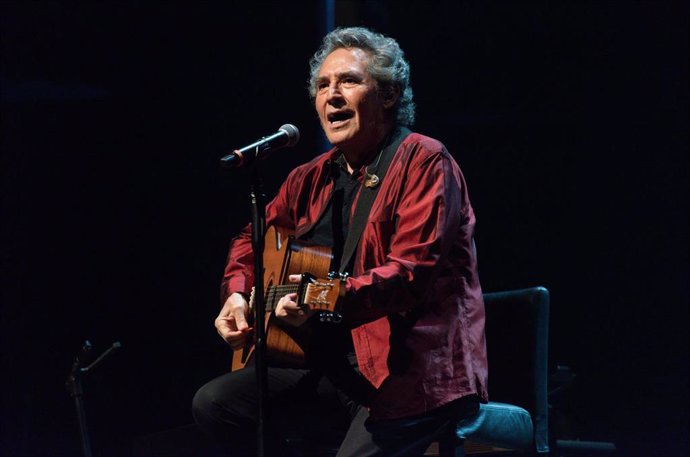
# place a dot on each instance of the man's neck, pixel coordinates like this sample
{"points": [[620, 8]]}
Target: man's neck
{"points": [[358, 157]]}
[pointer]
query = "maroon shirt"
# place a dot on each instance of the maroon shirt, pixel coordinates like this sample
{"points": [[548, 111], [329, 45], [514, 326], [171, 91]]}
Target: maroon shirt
{"points": [[413, 301]]}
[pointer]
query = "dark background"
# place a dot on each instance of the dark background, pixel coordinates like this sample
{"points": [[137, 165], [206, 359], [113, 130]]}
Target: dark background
{"points": [[569, 119]]}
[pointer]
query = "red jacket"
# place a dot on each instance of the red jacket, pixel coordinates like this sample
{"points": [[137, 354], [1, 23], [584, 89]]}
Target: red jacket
{"points": [[414, 300]]}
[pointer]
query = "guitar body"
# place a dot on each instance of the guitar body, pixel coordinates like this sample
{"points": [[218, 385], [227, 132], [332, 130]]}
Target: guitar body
{"points": [[287, 345]]}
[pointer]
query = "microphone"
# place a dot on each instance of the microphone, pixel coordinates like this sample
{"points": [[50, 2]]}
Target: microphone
{"points": [[287, 135]]}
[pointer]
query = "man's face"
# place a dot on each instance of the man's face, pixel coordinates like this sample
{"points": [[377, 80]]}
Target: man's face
{"points": [[350, 108]]}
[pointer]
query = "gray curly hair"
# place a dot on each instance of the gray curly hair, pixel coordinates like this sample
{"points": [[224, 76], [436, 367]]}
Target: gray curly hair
{"points": [[387, 65]]}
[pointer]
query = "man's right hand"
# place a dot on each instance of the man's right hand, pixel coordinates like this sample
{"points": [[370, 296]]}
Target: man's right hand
{"points": [[231, 322]]}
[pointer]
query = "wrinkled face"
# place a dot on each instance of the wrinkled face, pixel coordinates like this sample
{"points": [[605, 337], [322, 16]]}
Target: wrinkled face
{"points": [[351, 111]]}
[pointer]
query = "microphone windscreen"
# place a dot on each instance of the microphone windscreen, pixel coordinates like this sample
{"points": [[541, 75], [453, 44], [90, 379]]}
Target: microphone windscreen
{"points": [[292, 133]]}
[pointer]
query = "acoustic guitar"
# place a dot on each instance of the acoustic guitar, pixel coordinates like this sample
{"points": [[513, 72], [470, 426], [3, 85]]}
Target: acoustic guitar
{"points": [[288, 345]]}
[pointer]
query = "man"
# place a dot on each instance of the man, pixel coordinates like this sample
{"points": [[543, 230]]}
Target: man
{"points": [[413, 315]]}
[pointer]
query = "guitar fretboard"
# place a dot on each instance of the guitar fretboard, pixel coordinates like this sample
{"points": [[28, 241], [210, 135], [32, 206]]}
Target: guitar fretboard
{"points": [[318, 295], [275, 293]]}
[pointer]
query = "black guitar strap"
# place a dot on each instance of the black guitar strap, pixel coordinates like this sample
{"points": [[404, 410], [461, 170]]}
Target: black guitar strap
{"points": [[367, 195]]}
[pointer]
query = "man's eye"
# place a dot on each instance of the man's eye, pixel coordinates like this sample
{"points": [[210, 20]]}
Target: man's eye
{"points": [[321, 86]]}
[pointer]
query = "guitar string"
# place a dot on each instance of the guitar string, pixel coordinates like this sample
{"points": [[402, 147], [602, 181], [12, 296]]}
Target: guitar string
{"points": [[275, 293]]}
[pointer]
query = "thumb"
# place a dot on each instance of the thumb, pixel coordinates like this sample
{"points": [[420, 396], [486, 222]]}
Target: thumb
{"points": [[294, 278]]}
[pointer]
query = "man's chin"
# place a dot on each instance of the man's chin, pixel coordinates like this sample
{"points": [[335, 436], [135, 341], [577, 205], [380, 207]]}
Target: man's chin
{"points": [[337, 139]]}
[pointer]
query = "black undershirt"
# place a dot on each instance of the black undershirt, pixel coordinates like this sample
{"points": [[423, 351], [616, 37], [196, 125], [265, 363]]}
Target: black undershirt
{"points": [[335, 341], [332, 228]]}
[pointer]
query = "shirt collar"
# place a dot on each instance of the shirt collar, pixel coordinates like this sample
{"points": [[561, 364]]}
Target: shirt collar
{"points": [[339, 164]]}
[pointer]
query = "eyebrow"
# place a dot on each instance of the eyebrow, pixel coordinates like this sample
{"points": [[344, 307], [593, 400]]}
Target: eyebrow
{"points": [[344, 74]]}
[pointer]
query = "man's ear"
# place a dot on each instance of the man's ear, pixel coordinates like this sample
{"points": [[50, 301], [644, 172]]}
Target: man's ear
{"points": [[390, 97]]}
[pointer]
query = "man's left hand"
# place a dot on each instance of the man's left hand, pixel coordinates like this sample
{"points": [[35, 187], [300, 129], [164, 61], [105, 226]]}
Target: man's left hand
{"points": [[288, 310]]}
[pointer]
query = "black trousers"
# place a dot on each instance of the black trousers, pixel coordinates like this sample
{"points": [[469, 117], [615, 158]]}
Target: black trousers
{"points": [[309, 414]]}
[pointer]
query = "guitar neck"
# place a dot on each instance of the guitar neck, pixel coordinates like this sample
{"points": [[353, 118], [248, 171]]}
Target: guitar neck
{"points": [[320, 294]]}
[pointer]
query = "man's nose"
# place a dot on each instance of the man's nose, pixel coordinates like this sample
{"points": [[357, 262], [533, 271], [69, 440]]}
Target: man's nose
{"points": [[334, 93], [333, 88]]}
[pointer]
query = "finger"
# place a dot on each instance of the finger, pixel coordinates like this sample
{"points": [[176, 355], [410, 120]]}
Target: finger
{"points": [[224, 325], [229, 324], [236, 339], [290, 303], [286, 305], [280, 310], [240, 319], [294, 311], [227, 330], [294, 278]]}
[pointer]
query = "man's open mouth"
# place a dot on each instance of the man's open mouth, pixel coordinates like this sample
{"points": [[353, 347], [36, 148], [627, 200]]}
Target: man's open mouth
{"points": [[339, 117]]}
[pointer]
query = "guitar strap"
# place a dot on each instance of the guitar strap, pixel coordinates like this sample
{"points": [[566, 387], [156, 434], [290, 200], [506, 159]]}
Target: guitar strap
{"points": [[366, 198]]}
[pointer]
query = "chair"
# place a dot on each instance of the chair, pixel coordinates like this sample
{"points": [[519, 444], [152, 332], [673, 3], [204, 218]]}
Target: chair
{"points": [[517, 342]]}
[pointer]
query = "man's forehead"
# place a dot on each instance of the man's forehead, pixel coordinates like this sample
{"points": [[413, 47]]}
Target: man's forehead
{"points": [[346, 60]]}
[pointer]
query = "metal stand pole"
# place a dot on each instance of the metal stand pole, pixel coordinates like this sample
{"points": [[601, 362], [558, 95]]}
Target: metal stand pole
{"points": [[258, 209], [74, 387]]}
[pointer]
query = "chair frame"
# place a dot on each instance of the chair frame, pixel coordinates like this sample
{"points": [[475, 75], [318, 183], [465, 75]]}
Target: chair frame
{"points": [[535, 301]]}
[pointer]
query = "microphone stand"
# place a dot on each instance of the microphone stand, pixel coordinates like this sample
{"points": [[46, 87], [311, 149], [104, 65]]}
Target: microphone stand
{"points": [[74, 387], [258, 215]]}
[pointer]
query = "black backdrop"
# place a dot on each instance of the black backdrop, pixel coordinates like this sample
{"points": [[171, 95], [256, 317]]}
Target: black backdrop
{"points": [[569, 121]]}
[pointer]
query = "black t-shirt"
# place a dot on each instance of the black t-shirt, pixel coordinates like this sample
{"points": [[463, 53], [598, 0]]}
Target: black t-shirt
{"points": [[334, 340], [332, 228]]}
